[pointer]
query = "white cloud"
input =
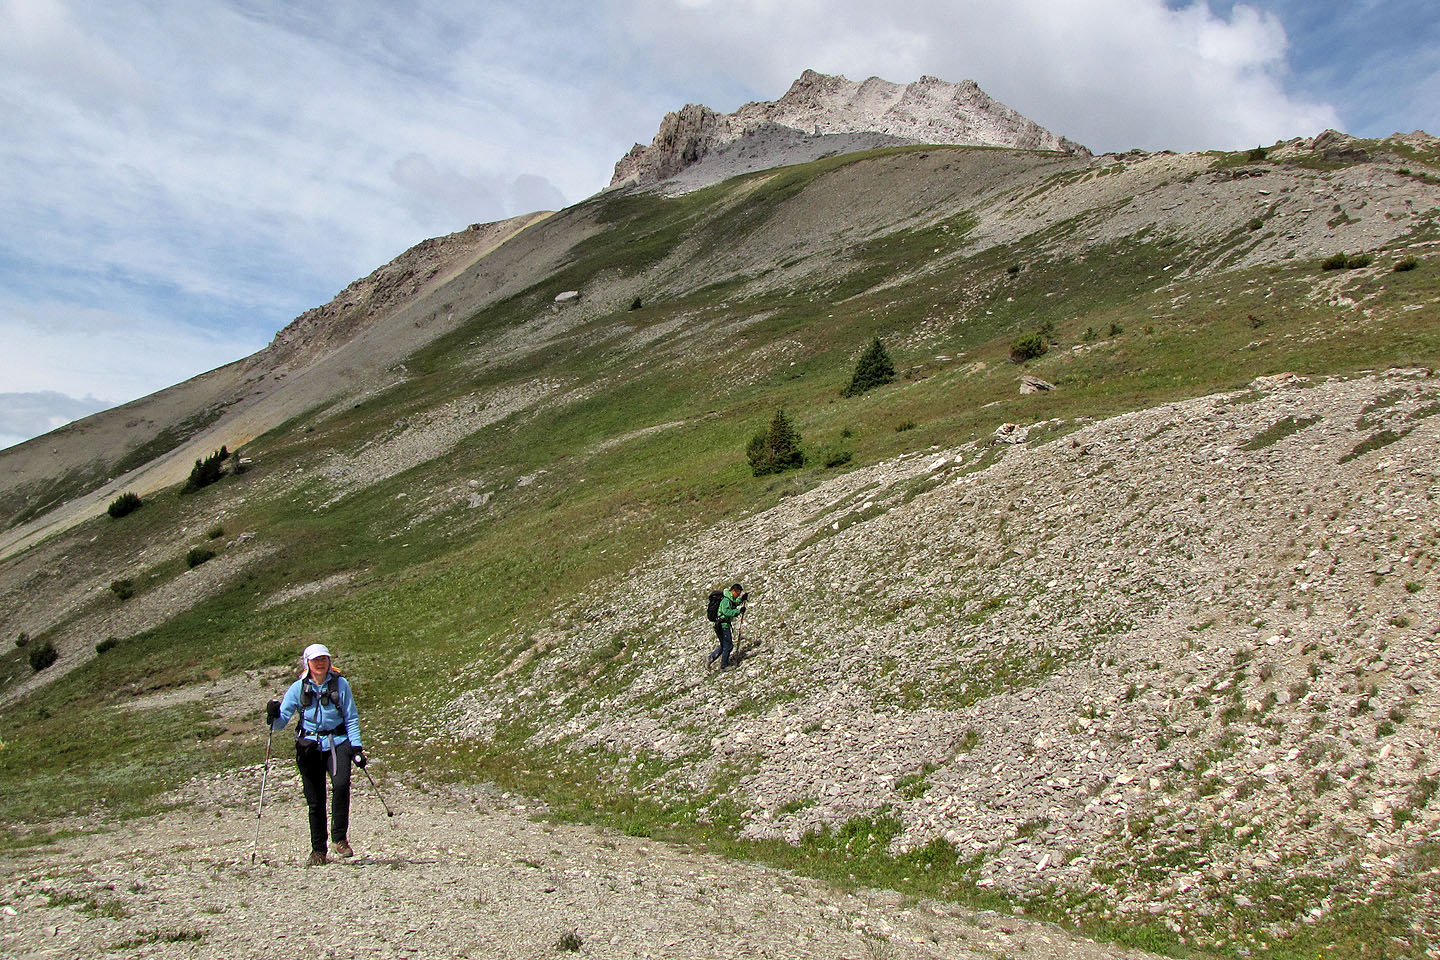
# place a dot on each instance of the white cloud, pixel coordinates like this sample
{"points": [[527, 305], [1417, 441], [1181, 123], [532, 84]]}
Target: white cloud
{"points": [[1109, 73], [25, 415], [109, 355], [440, 198]]}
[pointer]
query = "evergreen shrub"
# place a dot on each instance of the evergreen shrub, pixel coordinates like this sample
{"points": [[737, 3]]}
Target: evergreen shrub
{"points": [[42, 656], [775, 449], [124, 504], [207, 471], [873, 369], [1028, 346]]}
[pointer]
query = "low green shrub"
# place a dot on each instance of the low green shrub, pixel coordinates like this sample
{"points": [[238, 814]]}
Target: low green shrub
{"points": [[215, 532], [43, 656], [107, 644], [123, 588], [1258, 154], [124, 504], [23, 640], [904, 425], [636, 304], [837, 457], [1256, 224], [197, 556], [1028, 346], [1013, 269], [1409, 263], [1116, 329], [1343, 261]]}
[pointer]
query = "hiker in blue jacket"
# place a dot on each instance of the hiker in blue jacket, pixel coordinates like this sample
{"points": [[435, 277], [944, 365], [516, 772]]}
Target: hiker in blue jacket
{"points": [[327, 740], [731, 606]]}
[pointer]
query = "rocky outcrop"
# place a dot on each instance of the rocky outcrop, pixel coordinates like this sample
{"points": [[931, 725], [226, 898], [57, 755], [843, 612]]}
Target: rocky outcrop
{"points": [[819, 107]]}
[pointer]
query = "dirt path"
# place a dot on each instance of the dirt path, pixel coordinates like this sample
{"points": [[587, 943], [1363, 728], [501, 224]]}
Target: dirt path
{"points": [[451, 876]]}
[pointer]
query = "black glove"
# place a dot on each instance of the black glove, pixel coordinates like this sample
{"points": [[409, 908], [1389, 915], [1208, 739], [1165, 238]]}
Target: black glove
{"points": [[272, 711], [360, 759]]}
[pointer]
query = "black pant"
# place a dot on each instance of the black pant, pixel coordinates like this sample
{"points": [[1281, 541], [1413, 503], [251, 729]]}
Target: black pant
{"points": [[722, 632], [314, 764]]}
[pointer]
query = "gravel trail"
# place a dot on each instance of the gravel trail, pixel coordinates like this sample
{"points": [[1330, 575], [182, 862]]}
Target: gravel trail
{"points": [[452, 875]]}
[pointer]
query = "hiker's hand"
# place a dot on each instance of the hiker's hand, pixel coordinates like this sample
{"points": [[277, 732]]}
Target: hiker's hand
{"points": [[360, 759], [272, 711]]}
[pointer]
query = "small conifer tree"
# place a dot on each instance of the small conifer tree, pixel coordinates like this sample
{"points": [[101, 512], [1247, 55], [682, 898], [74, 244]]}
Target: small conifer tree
{"points": [[123, 505], [873, 369], [1029, 346], [207, 471], [776, 448]]}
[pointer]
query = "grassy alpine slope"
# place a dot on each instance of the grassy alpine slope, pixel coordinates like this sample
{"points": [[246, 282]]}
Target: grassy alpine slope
{"points": [[473, 526]]}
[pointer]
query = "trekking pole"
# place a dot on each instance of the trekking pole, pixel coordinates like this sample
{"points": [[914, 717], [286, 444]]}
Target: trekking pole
{"points": [[740, 624], [376, 788], [260, 810]]}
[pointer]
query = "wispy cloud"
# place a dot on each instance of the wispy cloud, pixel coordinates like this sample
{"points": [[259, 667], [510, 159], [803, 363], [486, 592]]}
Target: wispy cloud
{"points": [[24, 415]]}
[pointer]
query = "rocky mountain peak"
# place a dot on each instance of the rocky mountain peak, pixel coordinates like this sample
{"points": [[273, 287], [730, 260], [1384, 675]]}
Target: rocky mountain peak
{"points": [[823, 114]]}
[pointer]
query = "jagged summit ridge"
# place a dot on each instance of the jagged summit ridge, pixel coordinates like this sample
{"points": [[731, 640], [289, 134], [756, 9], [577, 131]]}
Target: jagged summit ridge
{"points": [[821, 114]]}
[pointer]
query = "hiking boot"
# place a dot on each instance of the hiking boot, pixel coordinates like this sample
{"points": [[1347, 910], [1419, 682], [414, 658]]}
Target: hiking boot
{"points": [[318, 858], [342, 849]]}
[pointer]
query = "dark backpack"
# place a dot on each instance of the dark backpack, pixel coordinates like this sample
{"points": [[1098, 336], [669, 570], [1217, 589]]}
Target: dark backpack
{"points": [[712, 605]]}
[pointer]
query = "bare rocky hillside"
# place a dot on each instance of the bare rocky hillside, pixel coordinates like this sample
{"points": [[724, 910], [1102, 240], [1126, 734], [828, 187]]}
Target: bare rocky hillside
{"points": [[1176, 658]]}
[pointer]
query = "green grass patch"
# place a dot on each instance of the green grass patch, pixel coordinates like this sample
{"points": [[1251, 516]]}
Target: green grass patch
{"points": [[1277, 431]]}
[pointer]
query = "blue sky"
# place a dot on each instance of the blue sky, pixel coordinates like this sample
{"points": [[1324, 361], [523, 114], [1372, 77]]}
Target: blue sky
{"points": [[179, 180]]}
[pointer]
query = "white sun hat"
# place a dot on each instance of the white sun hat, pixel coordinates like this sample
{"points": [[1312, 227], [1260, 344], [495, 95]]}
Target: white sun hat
{"points": [[315, 650]]}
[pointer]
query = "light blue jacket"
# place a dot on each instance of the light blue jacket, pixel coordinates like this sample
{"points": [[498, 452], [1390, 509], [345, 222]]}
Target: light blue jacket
{"points": [[326, 717]]}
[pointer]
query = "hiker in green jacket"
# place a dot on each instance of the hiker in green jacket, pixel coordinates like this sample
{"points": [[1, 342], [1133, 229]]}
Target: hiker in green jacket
{"points": [[732, 604]]}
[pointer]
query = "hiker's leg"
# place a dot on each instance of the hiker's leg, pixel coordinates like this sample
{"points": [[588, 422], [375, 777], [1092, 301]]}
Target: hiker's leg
{"points": [[720, 639], [312, 775], [726, 645], [340, 793]]}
